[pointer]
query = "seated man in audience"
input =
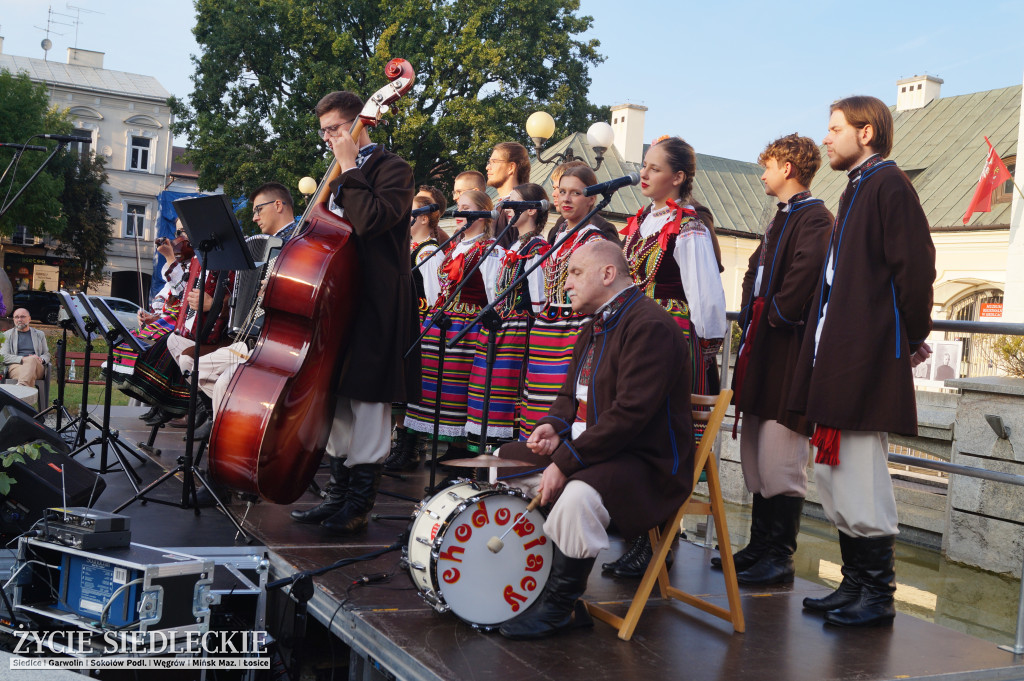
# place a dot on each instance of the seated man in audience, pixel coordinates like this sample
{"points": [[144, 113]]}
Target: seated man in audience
{"points": [[619, 436], [24, 349]]}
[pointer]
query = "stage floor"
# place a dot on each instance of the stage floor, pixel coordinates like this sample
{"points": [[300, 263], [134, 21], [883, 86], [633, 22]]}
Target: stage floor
{"points": [[391, 625]]}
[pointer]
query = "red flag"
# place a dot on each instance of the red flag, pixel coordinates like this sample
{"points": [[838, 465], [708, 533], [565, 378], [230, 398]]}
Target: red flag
{"points": [[993, 174]]}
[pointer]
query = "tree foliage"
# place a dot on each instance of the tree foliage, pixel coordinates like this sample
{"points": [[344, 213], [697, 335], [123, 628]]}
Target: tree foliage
{"points": [[24, 112], [481, 67], [85, 234]]}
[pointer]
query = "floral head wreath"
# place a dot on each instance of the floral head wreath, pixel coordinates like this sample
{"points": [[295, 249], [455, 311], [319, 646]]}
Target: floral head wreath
{"points": [[659, 139]]}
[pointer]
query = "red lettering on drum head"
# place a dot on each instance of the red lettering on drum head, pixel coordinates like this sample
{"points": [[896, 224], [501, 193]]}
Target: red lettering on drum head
{"points": [[534, 562], [452, 554], [463, 532], [502, 516], [539, 541], [480, 516], [451, 575], [528, 583], [524, 528], [513, 599]]}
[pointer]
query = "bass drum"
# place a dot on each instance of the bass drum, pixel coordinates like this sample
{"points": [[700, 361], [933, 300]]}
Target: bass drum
{"points": [[453, 569]]}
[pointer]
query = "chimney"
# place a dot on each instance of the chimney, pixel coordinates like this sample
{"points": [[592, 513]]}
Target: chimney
{"points": [[79, 57], [1, 44], [628, 126], [916, 92]]}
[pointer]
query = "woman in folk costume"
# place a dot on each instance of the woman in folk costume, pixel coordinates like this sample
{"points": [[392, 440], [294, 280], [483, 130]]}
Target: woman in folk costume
{"points": [[442, 274], [556, 327], [671, 254], [425, 238], [516, 311]]}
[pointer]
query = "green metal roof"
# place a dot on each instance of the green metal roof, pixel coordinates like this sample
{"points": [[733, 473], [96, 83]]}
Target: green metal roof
{"points": [[732, 190], [942, 148]]}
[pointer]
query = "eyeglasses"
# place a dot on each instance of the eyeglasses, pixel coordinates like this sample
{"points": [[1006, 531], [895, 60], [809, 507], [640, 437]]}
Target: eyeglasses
{"points": [[259, 207], [331, 129], [495, 161]]}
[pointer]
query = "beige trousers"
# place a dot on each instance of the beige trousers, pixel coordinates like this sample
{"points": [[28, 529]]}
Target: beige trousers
{"points": [[30, 370], [773, 458], [578, 521], [857, 494], [361, 431]]}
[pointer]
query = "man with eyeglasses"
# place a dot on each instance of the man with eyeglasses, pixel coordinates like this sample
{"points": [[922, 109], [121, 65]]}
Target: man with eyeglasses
{"points": [[374, 194], [24, 350], [507, 168]]}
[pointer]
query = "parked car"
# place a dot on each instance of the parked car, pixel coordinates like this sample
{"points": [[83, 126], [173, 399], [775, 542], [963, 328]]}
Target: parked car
{"points": [[127, 311], [44, 306]]}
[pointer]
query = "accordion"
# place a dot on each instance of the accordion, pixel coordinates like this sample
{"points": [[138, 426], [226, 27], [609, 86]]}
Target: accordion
{"points": [[245, 318]]}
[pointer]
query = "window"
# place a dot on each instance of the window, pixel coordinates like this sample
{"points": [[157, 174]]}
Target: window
{"points": [[1004, 192], [23, 237], [138, 154], [134, 220], [904, 89]]}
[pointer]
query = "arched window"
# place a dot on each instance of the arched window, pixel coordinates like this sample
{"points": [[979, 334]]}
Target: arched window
{"points": [[977, 306]]}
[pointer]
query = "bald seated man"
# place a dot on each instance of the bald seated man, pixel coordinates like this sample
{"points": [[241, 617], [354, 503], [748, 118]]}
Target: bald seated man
{"points": [[618, 440], [24, 350]]}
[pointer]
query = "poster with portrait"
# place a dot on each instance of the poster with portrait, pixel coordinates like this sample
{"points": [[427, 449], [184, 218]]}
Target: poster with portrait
{"points": [[945, 360]]}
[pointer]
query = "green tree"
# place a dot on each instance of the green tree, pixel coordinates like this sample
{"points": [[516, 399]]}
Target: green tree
{"points": [[85, 234], [481, 67], [25, 111]]}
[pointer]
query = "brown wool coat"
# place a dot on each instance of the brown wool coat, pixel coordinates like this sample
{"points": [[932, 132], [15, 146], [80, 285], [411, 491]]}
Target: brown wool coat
{"points": [[879, 311], [794, 252], [638, 448], [377, 199]]}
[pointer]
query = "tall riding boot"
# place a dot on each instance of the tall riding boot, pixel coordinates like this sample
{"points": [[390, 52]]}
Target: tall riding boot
{"points": [[776, 564], [353, 516], [849, 588], [336, 490], [749, 554], [403, 455], [556, 610], [635, 547], [874, 605]]}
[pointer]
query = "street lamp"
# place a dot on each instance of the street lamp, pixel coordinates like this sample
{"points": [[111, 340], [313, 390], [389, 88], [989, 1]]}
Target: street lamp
{"points": [[307, 186], [540, 126]]}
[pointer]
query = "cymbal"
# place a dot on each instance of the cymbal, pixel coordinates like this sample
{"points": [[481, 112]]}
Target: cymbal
{"points": [[484, 461]]}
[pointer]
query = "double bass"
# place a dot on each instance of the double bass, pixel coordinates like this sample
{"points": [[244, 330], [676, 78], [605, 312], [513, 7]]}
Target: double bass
{"points": [[271, 429]]}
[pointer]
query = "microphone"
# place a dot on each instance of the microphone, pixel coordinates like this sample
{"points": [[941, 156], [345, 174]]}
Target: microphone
{"points": [[476, 214], [429, 208], [26, 147], [612, 185], [65, 138], [524, 205]]}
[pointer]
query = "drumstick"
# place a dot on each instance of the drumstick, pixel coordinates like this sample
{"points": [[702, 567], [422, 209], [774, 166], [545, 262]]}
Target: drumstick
{"points": [[495, 544]]}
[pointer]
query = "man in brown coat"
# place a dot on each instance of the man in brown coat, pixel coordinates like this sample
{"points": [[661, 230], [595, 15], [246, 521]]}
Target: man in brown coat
{"points": [[866, 331], [374, 193], [777, 290], [619, 435]]}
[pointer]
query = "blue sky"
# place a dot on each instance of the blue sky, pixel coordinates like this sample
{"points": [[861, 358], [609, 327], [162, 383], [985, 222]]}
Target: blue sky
{"points": [[727, 76]]}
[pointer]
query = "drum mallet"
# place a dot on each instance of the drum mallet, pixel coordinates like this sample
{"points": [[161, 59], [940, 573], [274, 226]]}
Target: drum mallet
{"points": [[495, 544]]}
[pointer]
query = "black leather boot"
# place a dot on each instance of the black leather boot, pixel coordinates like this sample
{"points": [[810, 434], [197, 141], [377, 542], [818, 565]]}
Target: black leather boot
{"points": [[149, 414], [776, 564], [874, 605], [556, 610], [759, 527], [404, 456], [849, 588], [335, 492], [353, 516], [634, 547]]}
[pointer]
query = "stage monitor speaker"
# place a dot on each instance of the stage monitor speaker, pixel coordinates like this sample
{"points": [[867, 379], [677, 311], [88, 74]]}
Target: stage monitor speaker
{"points": [[17, 428], [39, 485], [9, 400]]}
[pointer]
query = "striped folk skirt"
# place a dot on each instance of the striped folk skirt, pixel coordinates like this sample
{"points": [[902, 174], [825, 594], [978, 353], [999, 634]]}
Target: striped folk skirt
{"points": [[157, 380], [506, 381], [458, 362], [125, 357], [550, 351]]}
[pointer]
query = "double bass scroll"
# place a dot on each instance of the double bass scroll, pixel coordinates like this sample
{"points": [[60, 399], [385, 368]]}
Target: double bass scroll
{"points": [[271, 429]]}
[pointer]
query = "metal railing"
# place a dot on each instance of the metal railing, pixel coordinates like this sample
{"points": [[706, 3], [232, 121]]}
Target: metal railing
{"points": [[944, 325]]}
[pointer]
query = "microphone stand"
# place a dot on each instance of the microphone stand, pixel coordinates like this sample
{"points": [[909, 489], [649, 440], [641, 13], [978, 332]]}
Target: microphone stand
{"points": [[58, 404], [458, 232], [605, 200], [444, 322], [29, 181]]}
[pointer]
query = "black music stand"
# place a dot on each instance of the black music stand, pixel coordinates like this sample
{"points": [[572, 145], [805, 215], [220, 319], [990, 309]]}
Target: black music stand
{"points": [[219, 244], [73, 322], [107, 439]]}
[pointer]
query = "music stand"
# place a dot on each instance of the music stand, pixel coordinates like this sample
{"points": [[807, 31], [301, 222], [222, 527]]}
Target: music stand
{"points": [[73, 322], [126, 336], [219, 244], [107, 439]]}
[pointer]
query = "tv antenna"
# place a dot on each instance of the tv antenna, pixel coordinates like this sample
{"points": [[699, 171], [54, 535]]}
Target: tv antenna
{"points": [[78, 16], [46, 43]]}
